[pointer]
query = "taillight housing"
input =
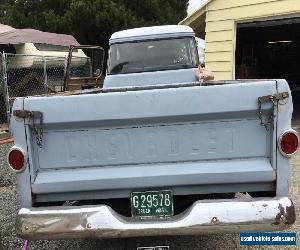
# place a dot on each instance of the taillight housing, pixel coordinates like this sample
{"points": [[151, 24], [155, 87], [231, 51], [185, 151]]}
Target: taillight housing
{"points": [[288, 143], [16, 159]]}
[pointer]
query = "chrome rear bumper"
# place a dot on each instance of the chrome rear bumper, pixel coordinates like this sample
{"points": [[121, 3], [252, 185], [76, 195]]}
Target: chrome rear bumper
{"points": [[201, 217]]}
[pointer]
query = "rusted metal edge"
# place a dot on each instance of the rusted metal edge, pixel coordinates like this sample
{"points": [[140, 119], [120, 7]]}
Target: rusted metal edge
{"points": [[272, 98], [128, 89], [286, 215], [149, 87], [22, 114]]}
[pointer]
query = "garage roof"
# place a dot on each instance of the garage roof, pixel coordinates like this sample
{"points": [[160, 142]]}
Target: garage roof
{"points": [[10, 35], [196, 20]]}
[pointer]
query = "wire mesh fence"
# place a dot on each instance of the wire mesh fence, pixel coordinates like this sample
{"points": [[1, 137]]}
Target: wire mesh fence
{"points": [[28, 75], [3, 113]]}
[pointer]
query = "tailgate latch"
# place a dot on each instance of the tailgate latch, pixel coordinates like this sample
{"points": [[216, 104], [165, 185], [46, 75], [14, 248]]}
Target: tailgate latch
{"points": [[35, 119], [274, 99]]}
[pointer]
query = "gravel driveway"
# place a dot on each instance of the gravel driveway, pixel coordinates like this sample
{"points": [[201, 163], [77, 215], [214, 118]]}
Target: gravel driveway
{"points": [[9, 241]]}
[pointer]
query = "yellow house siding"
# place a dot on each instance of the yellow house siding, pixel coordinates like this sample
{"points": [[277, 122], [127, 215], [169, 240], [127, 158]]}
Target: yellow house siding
{"points": [[218, 36], [221, 19], [228, 4], [221, 46], [219, 57], [219, 26], [222, 66], [255, 10]]}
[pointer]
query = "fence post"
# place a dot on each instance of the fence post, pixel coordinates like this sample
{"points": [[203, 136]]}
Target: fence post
{"points": [[45, 75], [5, 86], [65, 73]]}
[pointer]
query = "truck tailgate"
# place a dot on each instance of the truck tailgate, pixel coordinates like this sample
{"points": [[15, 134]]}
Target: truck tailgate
{"points": [[209, 137]]}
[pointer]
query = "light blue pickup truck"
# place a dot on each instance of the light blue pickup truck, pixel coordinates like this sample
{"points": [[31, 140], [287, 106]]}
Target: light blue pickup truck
{"points": [[155, 151]]}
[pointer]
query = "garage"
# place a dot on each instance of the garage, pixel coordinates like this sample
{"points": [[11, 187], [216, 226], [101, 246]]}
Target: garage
{"points": [[251, 39], [269, 50]]}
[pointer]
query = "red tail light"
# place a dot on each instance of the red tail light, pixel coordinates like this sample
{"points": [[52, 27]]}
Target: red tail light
{"points": [[16, 159], [288, 143]]}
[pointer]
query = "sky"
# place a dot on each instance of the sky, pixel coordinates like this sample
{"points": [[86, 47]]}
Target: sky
{"points": [[193, 5]]}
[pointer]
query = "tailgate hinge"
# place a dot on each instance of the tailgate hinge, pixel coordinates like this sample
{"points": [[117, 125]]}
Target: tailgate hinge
{"points": [[267, 99], [35, 119]]}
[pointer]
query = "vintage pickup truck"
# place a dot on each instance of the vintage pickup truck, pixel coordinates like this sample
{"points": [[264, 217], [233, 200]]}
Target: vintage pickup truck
{"points": [[155, 151]]}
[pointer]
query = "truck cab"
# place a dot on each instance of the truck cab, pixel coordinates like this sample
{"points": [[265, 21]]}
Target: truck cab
{"points": [[152, 56]]}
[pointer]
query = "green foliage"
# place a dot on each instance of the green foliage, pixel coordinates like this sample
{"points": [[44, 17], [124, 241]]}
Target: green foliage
{"points": [[90, 21]]}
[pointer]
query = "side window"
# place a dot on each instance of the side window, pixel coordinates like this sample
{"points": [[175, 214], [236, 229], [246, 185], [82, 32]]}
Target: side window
{"points": [[201, 49]]}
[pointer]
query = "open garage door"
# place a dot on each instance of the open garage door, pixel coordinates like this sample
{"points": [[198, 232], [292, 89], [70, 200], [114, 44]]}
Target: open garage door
{"points": [[270, 49]]}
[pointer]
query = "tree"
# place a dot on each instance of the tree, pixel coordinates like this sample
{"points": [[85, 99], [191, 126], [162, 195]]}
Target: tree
{"points": [[91, 21]]}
